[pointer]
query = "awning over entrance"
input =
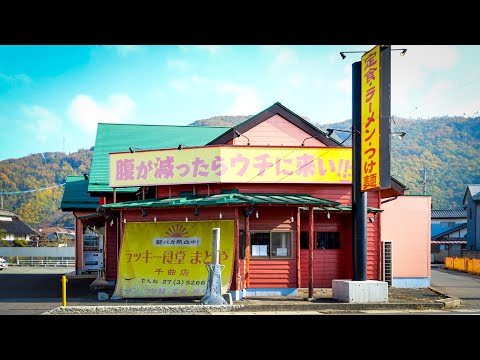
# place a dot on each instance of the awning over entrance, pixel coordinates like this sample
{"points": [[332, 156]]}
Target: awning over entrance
{"points": [[227, 199], [89, 216]]}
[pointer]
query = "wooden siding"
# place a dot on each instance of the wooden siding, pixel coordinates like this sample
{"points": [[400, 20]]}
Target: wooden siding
{"points": [[274, 273], [276, 131], [111, 251], [334, 192], [328, 265]]}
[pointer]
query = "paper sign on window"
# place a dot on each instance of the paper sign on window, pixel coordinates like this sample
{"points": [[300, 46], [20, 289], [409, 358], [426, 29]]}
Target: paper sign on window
{"points": [[259, 250]]}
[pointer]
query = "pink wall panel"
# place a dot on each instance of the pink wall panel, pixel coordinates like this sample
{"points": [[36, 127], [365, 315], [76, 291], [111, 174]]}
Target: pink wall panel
{"points": [[276, 131], [406, 222]]}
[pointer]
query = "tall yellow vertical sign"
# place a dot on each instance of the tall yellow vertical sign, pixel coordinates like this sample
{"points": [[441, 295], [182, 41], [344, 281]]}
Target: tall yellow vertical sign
{"points": [[370, 123]]}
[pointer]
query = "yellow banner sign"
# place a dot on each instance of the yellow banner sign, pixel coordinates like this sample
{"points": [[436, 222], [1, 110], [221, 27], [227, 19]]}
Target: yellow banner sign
{"points": [[231, 164], [370, 130], [168, 259]]}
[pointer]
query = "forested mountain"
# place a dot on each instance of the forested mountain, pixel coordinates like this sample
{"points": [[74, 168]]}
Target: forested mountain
{"points": [[447, 148], [18, 177]]}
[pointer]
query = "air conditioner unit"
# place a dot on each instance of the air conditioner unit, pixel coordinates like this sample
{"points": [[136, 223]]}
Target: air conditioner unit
{"points": [[387, 260]]}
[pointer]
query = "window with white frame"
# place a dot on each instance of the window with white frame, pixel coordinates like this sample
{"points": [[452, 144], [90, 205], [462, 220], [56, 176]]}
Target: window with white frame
{"points": [[271, 244]]}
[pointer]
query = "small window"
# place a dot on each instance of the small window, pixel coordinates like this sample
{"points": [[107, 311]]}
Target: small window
{"points": [[304, 239], [260, 243], [271, 244], [242, 244], [328, 240]]}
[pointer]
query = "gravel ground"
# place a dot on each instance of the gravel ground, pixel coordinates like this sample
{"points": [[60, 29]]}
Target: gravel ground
{"points": [[423, 295]]}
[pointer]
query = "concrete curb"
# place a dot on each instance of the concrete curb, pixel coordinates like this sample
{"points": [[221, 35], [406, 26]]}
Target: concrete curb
{"points": [[205, 309], [342, 307], [449, 301], [140, 309]]}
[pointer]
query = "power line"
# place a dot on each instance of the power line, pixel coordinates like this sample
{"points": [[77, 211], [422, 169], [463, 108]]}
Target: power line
{"points": [[29, 191]]}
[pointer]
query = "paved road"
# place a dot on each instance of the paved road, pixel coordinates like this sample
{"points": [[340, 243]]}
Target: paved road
{"points": [[460, 285], [33, 290]]}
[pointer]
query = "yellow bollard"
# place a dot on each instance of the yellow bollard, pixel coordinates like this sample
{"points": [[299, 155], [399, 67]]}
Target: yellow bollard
{"points": [[64, 290]]}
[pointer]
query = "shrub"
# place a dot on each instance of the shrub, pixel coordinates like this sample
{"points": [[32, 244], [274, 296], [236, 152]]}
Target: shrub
{"points": [[5, 243], [20, 243]]}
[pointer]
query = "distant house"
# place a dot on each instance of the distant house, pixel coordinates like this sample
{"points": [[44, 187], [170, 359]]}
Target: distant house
{"points": [[55, 233], [444, 220], [471, 202], [449, 243], [15, 228]]}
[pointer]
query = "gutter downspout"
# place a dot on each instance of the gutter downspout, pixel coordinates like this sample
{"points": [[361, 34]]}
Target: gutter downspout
{"points": [[389, 199]]}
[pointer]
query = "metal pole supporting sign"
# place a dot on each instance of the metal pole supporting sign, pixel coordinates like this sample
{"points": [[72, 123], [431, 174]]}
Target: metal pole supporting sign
{"points": [[213, 294]]}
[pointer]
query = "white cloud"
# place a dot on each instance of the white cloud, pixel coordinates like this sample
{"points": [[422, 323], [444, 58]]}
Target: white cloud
{"points": [[414, 70], [296, 80], [181, 85], [185, 85], [244, 104], [212, 49], [438, 91], [15, 79], [346, 83], [199, 80], [246, 99], [285, 57], [178, 65], [85, 113], [125, 50], [44, 123], [428, 56]]}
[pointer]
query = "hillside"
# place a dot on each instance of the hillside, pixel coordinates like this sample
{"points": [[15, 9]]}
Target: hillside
{"points": [[447, 148], [38, 171]]}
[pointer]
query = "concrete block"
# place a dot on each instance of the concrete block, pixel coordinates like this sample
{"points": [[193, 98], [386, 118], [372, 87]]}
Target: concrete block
{"points": [[102, 296], [360, 291]]}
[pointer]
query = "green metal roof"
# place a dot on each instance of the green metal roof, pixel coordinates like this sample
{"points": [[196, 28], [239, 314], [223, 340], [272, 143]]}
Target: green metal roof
{"points": [[75, 196], [225, 199], [119, 137]]}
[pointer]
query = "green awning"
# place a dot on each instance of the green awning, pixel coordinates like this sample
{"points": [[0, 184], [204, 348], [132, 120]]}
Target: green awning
{"points": [[75, 196], [92, 215], [226, 199]]}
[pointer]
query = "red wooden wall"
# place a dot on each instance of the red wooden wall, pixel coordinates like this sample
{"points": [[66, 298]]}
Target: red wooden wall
{"points": [[263, 273]]}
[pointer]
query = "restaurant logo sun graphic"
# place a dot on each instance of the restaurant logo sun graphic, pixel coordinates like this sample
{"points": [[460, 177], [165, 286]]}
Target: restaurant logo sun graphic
{"points": [[177, 235]]}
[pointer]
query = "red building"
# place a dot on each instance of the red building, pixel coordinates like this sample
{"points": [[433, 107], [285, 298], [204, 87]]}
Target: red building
{"points": [[278, 188]]}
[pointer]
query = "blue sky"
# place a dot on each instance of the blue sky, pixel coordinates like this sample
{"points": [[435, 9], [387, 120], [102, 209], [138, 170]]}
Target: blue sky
{"points": [[52, 97]]}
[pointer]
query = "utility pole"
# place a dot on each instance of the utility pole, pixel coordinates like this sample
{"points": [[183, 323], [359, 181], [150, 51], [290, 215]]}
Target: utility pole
{"points": [[1, 201], [425, 180]]}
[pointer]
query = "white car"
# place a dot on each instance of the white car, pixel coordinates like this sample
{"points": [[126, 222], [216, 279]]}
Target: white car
{"points": [[3, 263]]}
